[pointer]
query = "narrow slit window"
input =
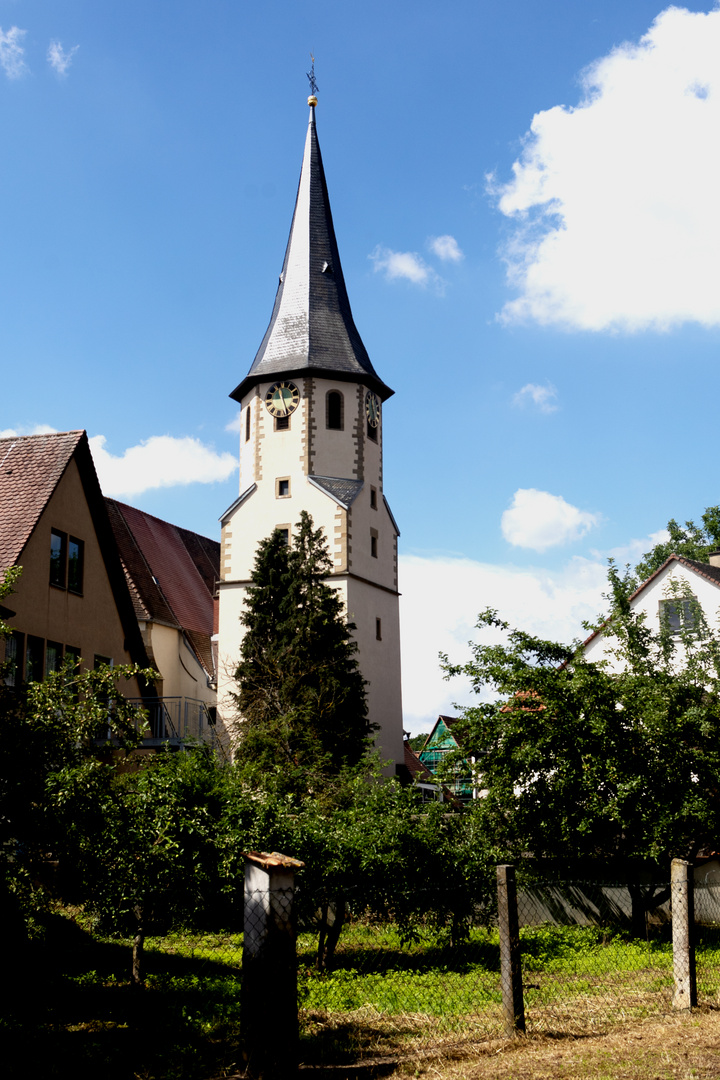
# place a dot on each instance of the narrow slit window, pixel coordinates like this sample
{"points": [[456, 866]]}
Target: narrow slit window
{"points": [[58, 558], [75, 564], [334, 410], [247, 424], [374, 543], [378, 629], [373, 498]]}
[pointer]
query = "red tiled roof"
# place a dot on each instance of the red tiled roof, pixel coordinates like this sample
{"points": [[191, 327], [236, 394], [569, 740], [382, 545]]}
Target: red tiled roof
{"points": [[30, 469], [414, 765], [171, 572]]}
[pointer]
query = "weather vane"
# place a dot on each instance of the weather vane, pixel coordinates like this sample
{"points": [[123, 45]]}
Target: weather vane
{"points": [[311, 77]]}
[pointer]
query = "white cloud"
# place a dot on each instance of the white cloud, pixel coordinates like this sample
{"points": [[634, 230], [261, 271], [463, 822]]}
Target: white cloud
{"points": [[615, 201], [446, 248], [12, 52], [539, 520], [160, 461], [543, 397], [58, 59], [36, 429], [402, 264], [441, 599], [236, 424]]}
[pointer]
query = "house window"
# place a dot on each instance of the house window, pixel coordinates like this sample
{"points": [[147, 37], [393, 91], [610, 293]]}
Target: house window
{"points": [[282, 487], [73, 652], [677, 615], [58, 558], [67, 557], [34, 658], [14, 650], [75, 564], [373, 498], [53, 656], [282, 423], [284, 531], [100, 660], [378, 629], [247, 424], [374, 543], [334, 410]]}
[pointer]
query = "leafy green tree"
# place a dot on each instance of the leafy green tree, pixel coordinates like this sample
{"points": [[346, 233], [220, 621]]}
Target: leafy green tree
{"points": [[616, 760], [301, 696], [140, 844], [691, 540]]}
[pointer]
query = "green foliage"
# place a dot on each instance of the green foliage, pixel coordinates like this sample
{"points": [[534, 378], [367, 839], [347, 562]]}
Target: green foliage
{"points": [[140, 843], [693, 541], [301, 695], [618, 760]]}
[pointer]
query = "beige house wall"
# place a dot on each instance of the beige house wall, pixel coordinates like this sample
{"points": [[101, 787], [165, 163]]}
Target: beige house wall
{"points": [[182, 674], [89, 622]]}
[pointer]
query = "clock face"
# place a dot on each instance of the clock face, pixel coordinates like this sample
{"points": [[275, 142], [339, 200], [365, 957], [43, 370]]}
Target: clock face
{"points": [[282, 398], [372, 409]]}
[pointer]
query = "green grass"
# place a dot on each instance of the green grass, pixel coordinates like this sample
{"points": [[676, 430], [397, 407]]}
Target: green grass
{"points": [[75, 1011]]}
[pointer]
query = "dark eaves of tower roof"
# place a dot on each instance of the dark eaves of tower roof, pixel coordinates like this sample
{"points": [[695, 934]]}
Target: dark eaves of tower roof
{"points": [[312, 331]]}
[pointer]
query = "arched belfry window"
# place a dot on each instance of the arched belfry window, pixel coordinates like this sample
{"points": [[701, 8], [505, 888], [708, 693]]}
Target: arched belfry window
{"points": [[334, 410]]}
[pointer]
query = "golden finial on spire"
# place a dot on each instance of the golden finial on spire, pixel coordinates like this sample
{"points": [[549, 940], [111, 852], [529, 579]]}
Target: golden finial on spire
{"points": [[312, 100]]}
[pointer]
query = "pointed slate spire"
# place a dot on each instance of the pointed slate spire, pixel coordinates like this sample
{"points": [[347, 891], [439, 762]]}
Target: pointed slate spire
{"points": [[311, 330]]}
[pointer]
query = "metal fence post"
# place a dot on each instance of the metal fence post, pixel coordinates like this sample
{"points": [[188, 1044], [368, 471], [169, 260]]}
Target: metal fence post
{"points": [[269, 1018], [683, 934], [510, 970]]}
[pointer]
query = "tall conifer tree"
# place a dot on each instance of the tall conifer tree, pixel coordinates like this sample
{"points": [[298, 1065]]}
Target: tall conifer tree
{"points": [[301, 696]]}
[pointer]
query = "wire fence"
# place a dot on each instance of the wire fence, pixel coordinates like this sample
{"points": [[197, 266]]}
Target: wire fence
{"points": [[592, 956]]}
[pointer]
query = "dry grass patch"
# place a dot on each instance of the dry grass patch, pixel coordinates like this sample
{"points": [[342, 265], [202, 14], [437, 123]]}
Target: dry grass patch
{"points": [[676, 1048]]}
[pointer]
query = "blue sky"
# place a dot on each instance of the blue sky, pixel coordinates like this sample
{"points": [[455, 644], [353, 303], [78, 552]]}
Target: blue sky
{"points": [[525, 197]]}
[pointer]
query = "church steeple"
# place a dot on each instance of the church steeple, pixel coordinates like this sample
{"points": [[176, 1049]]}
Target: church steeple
{"points": [[312, 331]]}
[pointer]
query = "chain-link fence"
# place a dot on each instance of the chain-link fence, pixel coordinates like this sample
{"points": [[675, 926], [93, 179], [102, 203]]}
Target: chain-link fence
{"points": [[355, 983], [592, 956]]}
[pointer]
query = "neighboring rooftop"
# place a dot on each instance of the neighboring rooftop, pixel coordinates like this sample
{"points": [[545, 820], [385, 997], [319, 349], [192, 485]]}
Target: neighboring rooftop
{"points": [[312, 331], [30, 469], [171, 573]]}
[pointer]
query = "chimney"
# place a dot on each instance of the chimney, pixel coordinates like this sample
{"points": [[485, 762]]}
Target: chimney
{"points": [[714, 558]]}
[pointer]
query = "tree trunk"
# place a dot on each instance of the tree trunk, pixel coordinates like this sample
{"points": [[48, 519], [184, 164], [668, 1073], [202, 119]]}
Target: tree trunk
{"points": [[333, 934], [329, 932], [138, 974], [320, 959]]}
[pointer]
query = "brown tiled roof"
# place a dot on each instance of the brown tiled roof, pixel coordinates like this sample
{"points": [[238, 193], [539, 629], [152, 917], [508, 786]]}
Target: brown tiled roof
{"points": [[414, 765], [171, 573], [30, 469]]}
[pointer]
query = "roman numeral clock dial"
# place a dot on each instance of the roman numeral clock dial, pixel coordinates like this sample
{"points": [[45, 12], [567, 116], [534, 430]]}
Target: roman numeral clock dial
{"points": [[372, 409], [282, 399]]}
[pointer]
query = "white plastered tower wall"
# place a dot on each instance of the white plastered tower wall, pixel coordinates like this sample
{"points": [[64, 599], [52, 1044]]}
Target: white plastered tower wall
{"points": [[326, 461]]}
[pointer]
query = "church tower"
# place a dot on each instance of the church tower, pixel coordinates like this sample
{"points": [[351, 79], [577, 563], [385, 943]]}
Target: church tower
{"points": [[311, 438]]}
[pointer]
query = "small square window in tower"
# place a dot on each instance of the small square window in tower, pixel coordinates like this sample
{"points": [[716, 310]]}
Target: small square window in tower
{"points": [[283, 487]]}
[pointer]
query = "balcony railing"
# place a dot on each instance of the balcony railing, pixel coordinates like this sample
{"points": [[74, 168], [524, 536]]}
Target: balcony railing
{"points": [[177, 719]]}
